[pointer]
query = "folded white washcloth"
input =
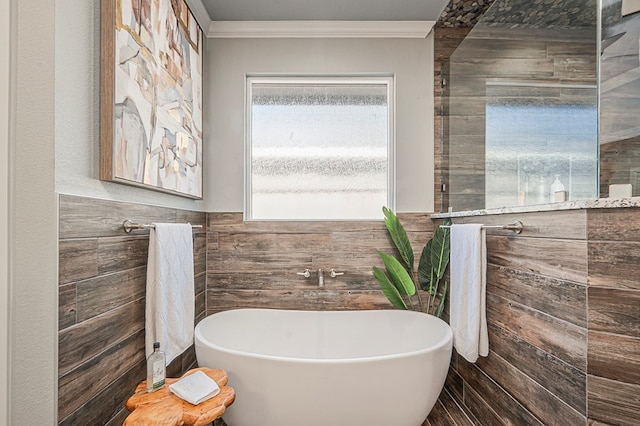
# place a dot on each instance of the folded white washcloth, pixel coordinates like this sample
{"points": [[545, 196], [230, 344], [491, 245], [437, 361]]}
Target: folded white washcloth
{"points": [[195, 388]]}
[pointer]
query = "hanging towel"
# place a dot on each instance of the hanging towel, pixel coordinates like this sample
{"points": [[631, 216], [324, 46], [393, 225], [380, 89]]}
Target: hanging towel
{"points": [[169, 313], [467, 301]]}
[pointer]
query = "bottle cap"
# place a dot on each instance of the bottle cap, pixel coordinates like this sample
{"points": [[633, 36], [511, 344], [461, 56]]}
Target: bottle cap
{"points": [[156, 345]]}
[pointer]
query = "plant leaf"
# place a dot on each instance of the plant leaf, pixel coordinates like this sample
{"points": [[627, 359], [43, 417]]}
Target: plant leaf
{"points": [[424, 266], [399, 237], [434, 259], [443, 298], [388, 289], [399, 276], [440, 250]]}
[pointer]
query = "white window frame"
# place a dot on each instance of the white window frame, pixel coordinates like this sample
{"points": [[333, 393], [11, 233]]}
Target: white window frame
{"points": [[388, 79]]}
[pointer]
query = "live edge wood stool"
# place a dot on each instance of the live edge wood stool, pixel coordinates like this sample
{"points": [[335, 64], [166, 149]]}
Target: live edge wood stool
{"points": [[164, 408]]}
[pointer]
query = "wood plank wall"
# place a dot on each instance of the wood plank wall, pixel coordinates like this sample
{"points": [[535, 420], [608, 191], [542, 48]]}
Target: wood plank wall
{"points": [[535, 373], [564, 322], [255, 264], [613, 357], [102, 278]]}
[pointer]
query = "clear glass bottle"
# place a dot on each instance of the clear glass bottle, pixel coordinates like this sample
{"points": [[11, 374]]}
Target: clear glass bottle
{"points": [[156, 369], [556, 187]]}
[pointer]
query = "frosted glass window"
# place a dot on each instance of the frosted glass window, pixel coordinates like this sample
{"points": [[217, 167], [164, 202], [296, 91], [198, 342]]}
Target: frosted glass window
{"points": [[318, 149]]}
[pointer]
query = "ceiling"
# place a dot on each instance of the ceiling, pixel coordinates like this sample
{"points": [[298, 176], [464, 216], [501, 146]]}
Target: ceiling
{"points": [[324, 10]]}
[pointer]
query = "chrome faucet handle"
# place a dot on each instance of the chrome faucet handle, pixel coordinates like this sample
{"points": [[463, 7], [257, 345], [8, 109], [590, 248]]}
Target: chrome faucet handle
{"points": [[306, 273], [334, 274]]}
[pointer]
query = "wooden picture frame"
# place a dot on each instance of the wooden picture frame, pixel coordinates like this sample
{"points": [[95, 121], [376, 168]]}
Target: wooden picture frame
{"points": [[151, 96]]}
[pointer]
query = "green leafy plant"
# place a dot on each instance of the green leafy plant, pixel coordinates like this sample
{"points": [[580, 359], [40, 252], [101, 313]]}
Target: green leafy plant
{"points": [[400, 280]]}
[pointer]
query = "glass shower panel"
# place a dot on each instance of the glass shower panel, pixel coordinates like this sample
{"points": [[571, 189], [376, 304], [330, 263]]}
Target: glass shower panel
{"points": [[539, 149], [523, 106], [620, 98]]}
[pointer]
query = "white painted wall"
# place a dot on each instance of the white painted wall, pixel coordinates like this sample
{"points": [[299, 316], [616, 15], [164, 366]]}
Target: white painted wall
{"points": [[77, 76], [5, 55], [228, 60], [33, 218]]}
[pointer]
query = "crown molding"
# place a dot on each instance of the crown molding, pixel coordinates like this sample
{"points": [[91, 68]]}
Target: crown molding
{"points": [[319, 29], [200, 14]]}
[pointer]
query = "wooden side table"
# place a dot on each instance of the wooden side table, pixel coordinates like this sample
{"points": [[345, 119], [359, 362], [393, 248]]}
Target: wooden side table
{"points": [[164, 408]]}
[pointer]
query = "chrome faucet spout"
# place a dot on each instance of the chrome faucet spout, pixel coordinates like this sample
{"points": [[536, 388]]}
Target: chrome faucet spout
{"points": [[320, 278]]}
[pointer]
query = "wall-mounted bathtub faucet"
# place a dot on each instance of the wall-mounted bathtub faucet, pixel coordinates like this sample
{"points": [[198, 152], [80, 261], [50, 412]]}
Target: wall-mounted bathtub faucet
{"points": [[334, 274], [306, 273], [320, 278]]}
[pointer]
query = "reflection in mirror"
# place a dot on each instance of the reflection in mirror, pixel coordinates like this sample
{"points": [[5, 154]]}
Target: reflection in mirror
{"points": [[523, 106]]}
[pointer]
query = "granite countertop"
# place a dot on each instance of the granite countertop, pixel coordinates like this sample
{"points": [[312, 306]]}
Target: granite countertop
{"points": [[600, 203]]}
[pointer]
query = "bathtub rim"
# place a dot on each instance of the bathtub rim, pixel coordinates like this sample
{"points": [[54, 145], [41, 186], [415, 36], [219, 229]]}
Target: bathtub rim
{"points": [[445, 343]]}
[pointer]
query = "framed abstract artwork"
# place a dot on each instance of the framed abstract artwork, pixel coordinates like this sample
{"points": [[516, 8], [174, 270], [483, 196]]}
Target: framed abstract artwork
{"points": [[151, 96]]}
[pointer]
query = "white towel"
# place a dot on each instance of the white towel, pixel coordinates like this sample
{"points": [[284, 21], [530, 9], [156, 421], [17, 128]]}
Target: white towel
{"points": [[467, 300], [195, 388], [170, 299]]}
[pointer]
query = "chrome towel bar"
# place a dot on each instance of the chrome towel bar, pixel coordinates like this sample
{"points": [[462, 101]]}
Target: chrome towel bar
{"points": [[130, 226], [516, 226]]}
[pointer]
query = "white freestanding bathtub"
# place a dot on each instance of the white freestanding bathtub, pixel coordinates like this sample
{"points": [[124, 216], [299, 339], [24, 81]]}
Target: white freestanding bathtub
{"points": [[339, 368]]}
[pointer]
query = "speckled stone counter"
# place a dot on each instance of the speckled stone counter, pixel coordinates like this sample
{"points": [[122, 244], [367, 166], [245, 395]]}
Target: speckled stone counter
{"points": [[600, 203]]}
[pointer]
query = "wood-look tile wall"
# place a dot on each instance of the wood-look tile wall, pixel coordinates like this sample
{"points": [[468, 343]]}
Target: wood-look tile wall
{"points": [[535, 373], [102, 278], [613, 357], [564, 322], [255, 264]]}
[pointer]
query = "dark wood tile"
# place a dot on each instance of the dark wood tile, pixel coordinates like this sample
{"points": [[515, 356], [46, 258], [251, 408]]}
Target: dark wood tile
{"points": [[454, 383], [272, 242], [188, 359], [121, 253], [199, 253], [564, 340], [505, 67], [562, 299], [312, 299], [80, 385], [614, 311], [495, 398], [614, 264], [200, 282], [615, 357], [456, 412], [200, 303], [561, 259], [586, 66], [542, 403], [194, 218], [82, 342], [223, 261], [613, 403], [614, 224], [106, 292], [82, 217], [567, 383], [107, 407], [78, 259], [439, 416], [481, 413], [66, 306]]}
